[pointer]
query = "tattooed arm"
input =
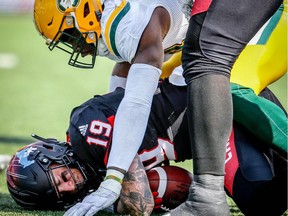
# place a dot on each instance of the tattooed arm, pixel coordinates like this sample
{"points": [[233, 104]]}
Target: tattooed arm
{"points": [[136, 197]]}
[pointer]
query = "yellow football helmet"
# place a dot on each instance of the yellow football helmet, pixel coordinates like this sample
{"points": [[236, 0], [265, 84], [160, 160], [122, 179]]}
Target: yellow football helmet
{"points": [[71, 25]]}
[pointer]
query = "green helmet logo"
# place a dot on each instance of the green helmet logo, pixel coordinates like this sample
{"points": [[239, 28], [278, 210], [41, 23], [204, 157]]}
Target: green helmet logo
{"points": [[65, 4]]}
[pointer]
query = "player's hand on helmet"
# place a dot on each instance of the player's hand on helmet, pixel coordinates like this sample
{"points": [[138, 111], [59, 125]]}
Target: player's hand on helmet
{"points": [[157, 200], [107, 193]]}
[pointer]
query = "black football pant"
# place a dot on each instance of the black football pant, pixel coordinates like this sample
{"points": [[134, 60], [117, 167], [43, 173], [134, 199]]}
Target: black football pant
{"points": [[214, 40]]}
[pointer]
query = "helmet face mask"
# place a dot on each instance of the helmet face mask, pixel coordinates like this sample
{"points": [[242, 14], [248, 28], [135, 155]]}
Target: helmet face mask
{"points": [[73, 42], [31, 181], [55, 18], [68, 165]]}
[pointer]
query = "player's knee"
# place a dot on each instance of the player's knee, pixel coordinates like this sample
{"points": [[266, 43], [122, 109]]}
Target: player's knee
{"points": [[195, 62]]}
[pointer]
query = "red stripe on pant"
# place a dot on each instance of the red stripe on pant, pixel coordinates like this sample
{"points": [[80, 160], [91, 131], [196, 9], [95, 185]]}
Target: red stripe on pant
{"points": [[231, 163], [200, 6]]}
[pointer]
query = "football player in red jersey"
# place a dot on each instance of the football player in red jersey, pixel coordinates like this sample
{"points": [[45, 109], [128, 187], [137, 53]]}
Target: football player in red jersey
{"points": [[218, 31], [249, 174]]}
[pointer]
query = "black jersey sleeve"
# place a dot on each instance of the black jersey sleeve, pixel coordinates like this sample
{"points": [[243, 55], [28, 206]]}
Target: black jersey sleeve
{"points": [[90, 133]]}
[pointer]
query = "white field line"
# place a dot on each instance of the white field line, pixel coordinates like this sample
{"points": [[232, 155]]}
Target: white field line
{"points": [[8, 60]]}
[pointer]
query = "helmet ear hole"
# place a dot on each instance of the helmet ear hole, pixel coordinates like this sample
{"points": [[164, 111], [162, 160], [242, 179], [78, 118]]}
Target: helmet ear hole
{"points": [[86, 10]]}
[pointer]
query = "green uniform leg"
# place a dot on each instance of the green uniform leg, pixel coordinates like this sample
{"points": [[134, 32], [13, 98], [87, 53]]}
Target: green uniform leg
{"points": [[263, 118]]}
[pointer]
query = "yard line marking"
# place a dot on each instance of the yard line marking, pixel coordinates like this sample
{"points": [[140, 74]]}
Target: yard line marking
{"points": [[8, 60]]}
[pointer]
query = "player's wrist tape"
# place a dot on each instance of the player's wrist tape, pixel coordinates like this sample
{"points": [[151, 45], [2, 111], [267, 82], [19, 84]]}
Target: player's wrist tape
{"points": [[114, 175], [114, 178]]}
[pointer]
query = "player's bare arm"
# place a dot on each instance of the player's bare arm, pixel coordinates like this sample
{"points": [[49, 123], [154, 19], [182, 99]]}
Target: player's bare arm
{"points": [[150, 54], [121, 69], [136, 197], [150, 50]]}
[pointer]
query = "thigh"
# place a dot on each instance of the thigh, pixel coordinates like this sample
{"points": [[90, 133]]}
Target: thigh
{"points": [[217, 36]]}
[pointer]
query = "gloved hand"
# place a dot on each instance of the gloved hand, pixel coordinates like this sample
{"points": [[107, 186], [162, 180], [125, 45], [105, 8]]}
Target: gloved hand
{"points": [[107, 193], [157, 200]]}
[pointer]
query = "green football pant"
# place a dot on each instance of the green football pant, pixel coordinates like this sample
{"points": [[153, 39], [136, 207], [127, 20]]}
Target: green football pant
{"points": [[266, 120]]}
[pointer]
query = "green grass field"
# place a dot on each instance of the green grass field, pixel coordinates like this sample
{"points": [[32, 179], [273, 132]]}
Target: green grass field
{"points": [[38, 90]]}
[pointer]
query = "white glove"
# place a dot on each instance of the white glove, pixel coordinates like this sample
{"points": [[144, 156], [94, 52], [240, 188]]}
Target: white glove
{"points": [[107, 193]]}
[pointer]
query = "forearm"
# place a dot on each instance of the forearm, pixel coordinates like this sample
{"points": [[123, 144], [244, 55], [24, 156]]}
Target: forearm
{"points": [[136, 197], [132, 115]]}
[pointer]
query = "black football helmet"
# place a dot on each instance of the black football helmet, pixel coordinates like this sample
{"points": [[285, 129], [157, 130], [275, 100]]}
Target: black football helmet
{"points": [[31, 182]]}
